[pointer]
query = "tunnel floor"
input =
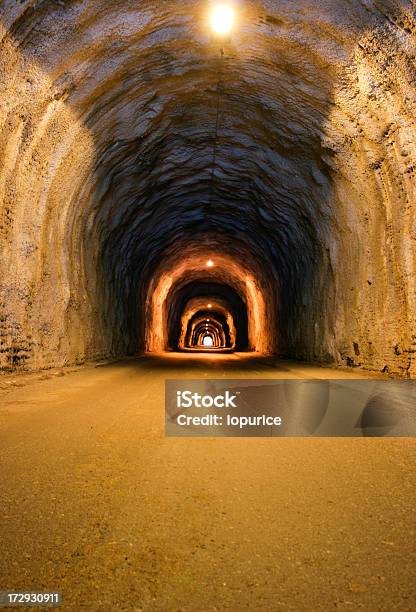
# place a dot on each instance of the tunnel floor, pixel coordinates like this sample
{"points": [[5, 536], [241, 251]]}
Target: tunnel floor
{"points": [[99, 505]]}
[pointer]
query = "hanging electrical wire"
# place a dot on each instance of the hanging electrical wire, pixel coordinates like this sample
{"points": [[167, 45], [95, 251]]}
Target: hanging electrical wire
{"points": [[217, 128], [222, 20]]}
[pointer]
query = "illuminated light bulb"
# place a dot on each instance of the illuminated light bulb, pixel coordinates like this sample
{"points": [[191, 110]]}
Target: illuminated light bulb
{"points": [[222, 19], [210, 263], [209, 305]]}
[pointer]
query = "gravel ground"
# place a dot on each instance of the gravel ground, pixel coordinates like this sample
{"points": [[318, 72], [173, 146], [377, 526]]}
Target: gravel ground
{"points": [[98, 504]]}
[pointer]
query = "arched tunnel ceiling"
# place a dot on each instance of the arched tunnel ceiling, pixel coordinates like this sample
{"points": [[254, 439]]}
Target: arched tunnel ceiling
{"points": [[109, 115]]}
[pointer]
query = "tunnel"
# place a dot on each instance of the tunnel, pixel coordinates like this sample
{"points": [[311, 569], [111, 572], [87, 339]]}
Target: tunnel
{"points": [[149, 167], [208, 329], [208, 305]]}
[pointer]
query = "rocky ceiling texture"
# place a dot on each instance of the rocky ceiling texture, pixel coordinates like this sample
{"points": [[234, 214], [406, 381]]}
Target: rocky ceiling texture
{"points": [[127, 141]]}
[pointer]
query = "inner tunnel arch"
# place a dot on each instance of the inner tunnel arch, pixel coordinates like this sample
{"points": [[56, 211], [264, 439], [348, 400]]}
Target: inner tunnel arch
{"points": [[108, 131], [229, 286]]}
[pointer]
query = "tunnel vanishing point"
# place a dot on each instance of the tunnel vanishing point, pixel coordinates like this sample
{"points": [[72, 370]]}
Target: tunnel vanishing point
{"points": [[164, 189]]}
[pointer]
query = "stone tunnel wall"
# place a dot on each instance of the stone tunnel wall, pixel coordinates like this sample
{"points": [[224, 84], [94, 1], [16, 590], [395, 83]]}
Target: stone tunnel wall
{"points": [[108, 113]]}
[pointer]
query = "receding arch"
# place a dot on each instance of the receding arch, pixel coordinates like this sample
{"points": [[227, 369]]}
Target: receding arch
{"points": [[227, 282]]}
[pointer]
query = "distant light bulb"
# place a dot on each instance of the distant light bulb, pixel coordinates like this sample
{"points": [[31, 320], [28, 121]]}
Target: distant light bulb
{"points": [[209, 305], [210, 263], [222, 19]]}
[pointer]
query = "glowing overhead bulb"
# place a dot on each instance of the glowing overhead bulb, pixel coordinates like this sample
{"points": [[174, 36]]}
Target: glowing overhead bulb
{"points": [[210, 263], [209, 305], [222, 19]]}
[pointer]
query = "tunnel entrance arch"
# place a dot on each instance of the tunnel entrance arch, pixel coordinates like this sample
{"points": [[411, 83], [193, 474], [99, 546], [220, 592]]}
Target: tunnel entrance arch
{"points": [[229, 284], [219, 325], [190, 307]]}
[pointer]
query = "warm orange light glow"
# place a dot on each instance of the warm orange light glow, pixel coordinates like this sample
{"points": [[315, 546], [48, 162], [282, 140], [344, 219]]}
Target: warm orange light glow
{"points": [[222, 19], [210, 263], [188, 328], [231, 272]]}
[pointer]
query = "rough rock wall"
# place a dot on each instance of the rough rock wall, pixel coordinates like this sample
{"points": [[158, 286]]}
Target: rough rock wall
{"points": [[108, 113], [371, 133]]}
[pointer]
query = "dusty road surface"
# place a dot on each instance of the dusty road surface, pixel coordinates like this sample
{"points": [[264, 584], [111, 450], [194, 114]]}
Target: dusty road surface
{"points": [[98, 504]]}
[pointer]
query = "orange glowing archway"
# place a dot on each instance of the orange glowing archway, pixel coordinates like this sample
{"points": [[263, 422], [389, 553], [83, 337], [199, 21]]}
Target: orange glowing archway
{"points": [[200, 304], [192, 267]]}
